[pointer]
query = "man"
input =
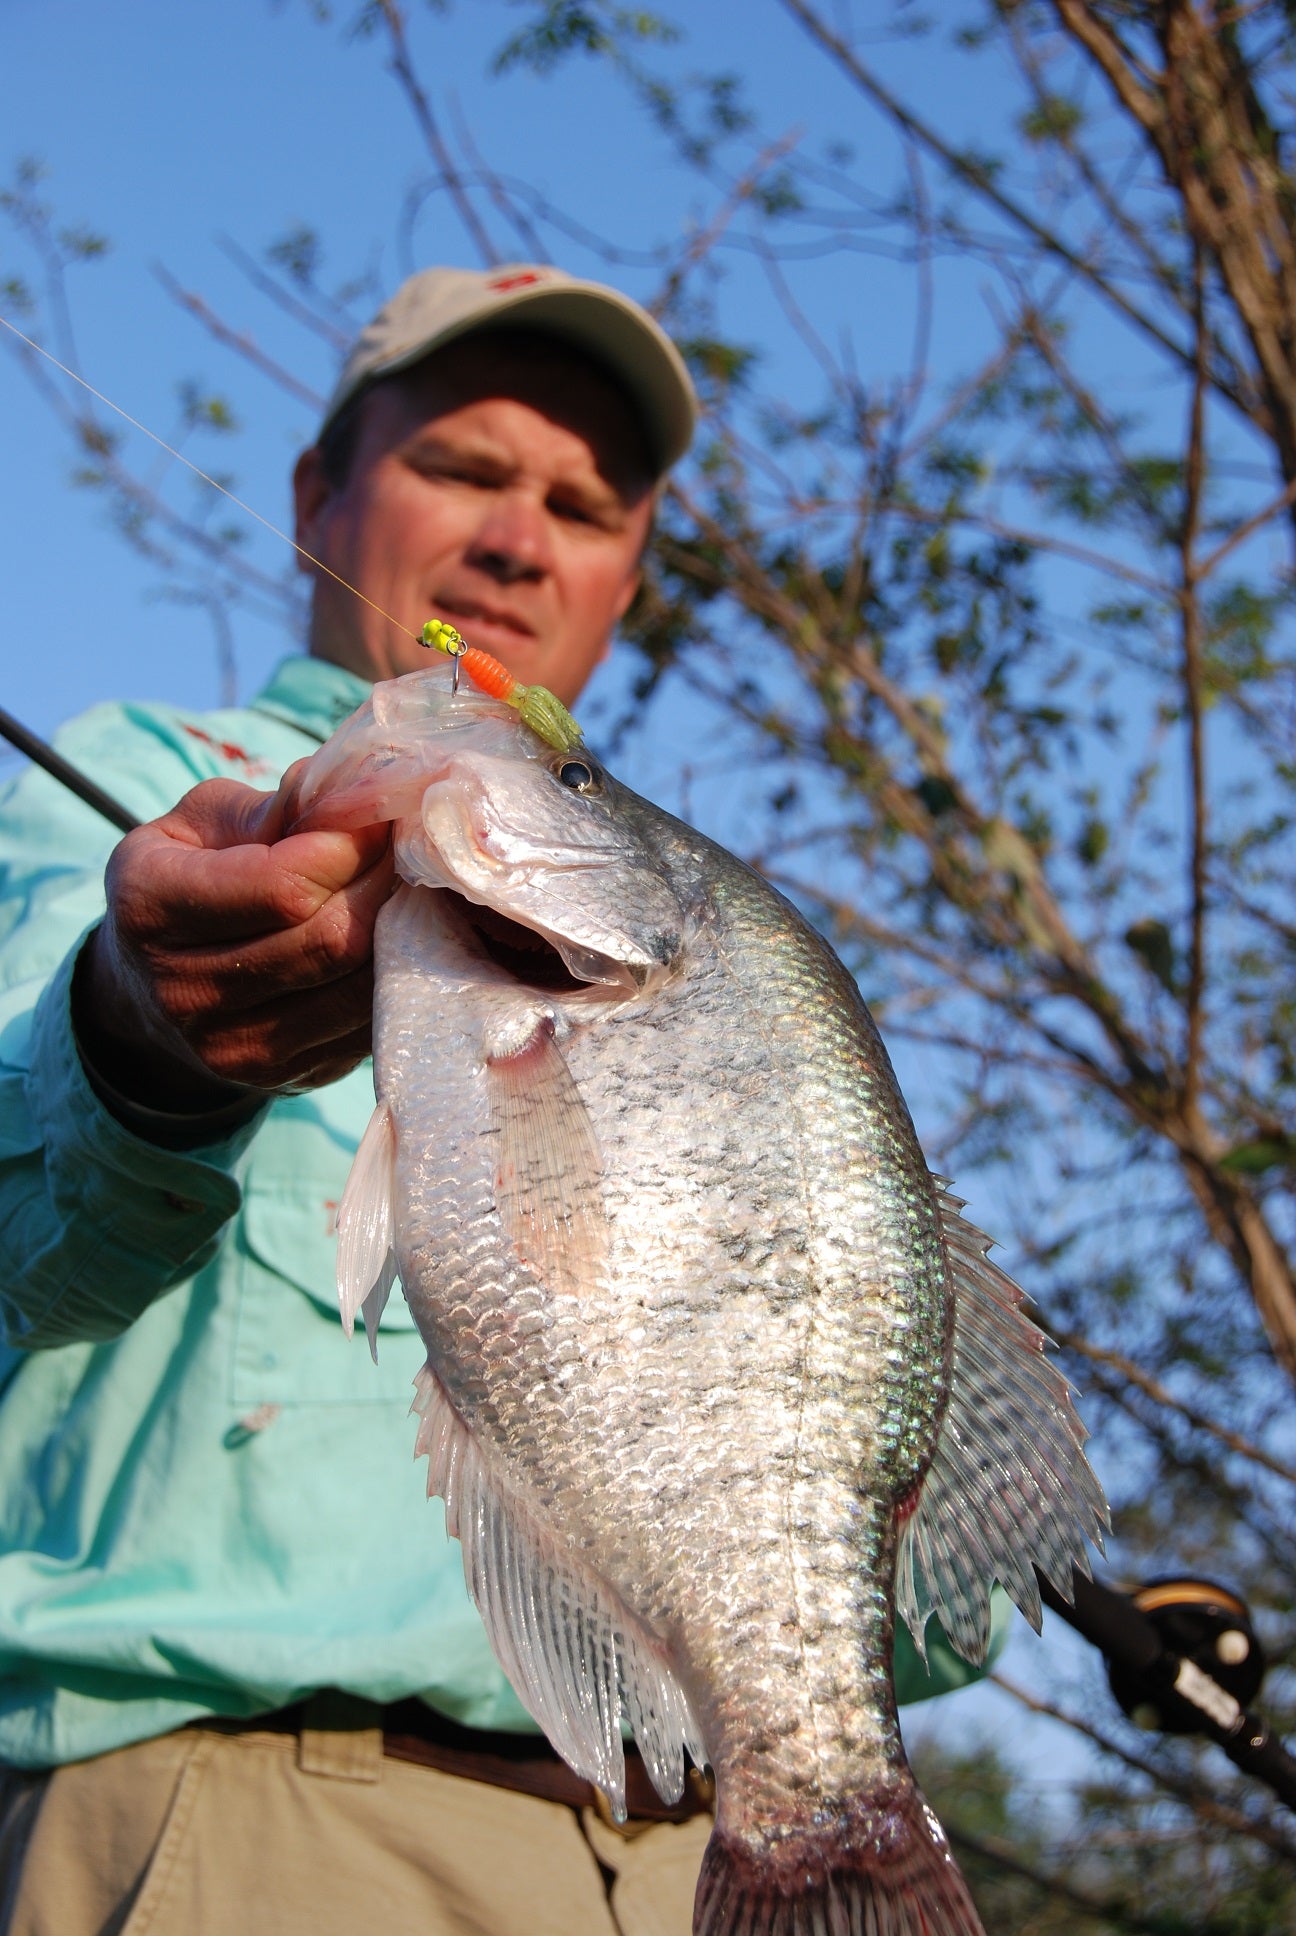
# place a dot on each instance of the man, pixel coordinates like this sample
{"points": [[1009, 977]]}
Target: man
{"points": [[229, 1621]]}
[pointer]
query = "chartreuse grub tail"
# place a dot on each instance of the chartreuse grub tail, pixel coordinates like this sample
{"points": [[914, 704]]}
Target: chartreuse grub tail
{"points": [[543, 713]]}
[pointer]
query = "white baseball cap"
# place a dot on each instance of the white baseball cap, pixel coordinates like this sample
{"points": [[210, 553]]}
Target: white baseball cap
{"points": [[437, 305]]}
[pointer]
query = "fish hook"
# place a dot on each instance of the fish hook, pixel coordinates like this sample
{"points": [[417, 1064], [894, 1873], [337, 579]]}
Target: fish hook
{"points": [[446, 639]]}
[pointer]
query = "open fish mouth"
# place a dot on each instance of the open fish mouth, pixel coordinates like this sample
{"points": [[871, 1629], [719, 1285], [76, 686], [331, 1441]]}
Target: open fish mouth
{"points": [[522, 952], [536, 960]]}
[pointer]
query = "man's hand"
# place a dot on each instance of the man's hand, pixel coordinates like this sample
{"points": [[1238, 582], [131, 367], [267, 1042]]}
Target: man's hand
{"points": [[231, 957]]}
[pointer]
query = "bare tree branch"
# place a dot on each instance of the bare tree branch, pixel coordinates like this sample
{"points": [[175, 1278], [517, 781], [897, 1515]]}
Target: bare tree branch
{"points": [[976, 178], [237, 340], [1158, 1392], [402, 66], [1199, 1799]]}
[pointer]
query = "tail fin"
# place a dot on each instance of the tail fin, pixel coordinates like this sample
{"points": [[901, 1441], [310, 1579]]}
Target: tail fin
{"points": [[888, 1873]]}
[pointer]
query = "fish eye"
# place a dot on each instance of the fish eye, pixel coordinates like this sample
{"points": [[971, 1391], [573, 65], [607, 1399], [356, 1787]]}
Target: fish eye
{"points": [[582, 776]]}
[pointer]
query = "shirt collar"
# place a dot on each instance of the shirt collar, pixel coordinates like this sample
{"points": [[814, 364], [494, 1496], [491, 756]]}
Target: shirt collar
{"points": [[311, 694]]}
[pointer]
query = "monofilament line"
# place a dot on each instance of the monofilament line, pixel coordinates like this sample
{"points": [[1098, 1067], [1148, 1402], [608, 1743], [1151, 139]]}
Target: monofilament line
{"points": [[180, 457]]}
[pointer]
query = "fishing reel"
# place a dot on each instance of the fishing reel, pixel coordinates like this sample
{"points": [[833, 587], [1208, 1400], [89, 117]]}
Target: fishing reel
{"points": [[1208, 1632], [1182, 1657]]}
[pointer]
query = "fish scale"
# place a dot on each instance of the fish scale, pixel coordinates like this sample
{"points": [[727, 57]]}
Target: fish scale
{"points": [[707, 1344]]}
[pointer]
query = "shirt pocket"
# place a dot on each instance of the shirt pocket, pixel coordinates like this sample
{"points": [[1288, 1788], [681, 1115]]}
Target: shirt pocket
{"points": [[289, 1346]]}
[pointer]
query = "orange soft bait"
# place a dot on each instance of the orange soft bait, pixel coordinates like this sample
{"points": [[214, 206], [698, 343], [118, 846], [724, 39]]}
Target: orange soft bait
{"points": [[544, 714], [488, 675]]}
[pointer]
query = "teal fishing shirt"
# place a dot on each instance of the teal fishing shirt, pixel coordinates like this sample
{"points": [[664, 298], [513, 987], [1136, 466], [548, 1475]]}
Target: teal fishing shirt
{"points": [[208, 1499]]}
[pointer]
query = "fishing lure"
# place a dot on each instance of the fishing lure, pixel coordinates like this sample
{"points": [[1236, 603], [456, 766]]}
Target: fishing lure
{"points": [[541, 711]]}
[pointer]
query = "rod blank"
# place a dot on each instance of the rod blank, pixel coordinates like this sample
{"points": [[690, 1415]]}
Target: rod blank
{"points": [[62, 770]]}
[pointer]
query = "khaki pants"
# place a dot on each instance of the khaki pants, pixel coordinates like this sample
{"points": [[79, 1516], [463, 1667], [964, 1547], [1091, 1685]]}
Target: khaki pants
{"points": [[208, 1834]]}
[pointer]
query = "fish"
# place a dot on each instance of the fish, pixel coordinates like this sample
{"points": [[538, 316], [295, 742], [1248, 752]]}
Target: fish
{"points": [[719, 1381]]}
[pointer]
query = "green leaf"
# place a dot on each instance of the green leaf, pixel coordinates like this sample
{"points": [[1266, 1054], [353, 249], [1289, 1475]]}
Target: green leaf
{"points": [[1253, 1159], [1151, 941], [298, 253], [937, 795], [581, 27], [83, 244], [1054, 118], [1093, 841]]}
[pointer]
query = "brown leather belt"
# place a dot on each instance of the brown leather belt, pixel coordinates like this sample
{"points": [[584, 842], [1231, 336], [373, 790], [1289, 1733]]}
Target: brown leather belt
{"points": [[412, 1731]]}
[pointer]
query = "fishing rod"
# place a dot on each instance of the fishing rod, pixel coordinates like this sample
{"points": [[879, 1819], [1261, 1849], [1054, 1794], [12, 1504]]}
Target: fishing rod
{"points": [[43, 754]]}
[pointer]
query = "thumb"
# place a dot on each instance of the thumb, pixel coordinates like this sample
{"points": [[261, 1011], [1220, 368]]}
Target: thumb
{"points": [[282, 808]]}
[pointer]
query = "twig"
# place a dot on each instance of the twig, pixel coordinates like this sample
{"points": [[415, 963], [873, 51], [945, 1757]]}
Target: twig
{"points": [[1163, 273], [979, 181], [138, 505], [1190, 608], [1089, 406], [800, 322], [1037, 541], [926, 295], [1284, 500], [1247, 1506], [1202, 119], [1156, 1391], [517, 218], [966, 391], [402, 66], [704, 241], [998, 1853], [1197, 1798], [301, 312], [237, 340]]}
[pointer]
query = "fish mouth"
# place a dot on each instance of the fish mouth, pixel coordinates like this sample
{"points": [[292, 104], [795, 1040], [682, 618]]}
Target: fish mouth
{"points": [[531, 957]]}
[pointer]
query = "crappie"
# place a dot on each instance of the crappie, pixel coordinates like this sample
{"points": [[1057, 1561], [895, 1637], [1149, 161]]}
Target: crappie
{"points": [[717, 1376]]}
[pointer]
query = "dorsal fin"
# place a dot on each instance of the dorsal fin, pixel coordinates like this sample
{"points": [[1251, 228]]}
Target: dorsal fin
{"points": [[1009, 1485]]}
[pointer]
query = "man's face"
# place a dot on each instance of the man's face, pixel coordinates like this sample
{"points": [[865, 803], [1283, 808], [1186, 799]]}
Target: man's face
{"points": [[502, 487]]}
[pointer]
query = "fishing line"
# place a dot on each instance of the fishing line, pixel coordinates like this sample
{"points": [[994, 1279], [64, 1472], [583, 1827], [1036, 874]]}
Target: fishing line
{"points": [[543, 713], [198, 472]]}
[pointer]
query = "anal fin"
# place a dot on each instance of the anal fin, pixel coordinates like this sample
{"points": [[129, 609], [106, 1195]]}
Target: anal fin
{"points": [[577, 1656], [1009, 1486], [366, 1260]]}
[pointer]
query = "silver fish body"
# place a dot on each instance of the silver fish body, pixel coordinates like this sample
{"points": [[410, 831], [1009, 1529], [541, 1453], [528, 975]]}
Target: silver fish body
{"points": [[697, 1378]]}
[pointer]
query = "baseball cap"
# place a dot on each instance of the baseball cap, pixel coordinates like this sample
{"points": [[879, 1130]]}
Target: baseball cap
{"points": [[438, 305]]}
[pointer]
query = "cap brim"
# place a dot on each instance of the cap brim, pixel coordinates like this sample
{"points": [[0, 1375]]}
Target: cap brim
{"points": [[634, 349]]}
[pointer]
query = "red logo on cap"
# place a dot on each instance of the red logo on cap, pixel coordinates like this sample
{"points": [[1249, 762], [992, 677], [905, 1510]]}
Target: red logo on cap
{"points": [[514, 282]]}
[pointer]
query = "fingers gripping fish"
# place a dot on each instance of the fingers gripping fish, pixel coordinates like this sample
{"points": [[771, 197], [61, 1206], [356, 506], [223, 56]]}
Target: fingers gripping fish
{"points": [[718, 1378]]}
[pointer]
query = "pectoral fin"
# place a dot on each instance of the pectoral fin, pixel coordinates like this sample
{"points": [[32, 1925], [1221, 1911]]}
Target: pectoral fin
{"points": [[548, 1174], [366, 1264]]}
